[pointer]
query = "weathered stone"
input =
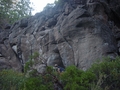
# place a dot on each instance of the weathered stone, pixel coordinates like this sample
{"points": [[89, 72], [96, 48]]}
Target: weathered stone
{"points": [[118, 35], [118, 45], [4, 65], [7, 26], [78, 33], [4, 35], [41, 68], [23, 23], [119, 50], [14, 48], [9, 57], [51, 22]]}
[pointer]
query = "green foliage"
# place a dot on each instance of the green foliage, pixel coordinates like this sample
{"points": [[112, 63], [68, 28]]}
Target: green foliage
{"points": [[39, 81], [103, 75], [12, 10], [11, 80], [35, 55], [34, 83], [75, 79], [49, 69], [107, 73], [33, 73], [28, 65]]}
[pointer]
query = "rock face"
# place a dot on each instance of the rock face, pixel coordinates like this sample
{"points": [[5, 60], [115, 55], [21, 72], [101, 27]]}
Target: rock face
{"points": [[77, 33]]}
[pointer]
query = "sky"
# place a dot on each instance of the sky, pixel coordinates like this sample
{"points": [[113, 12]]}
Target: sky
{"points": [[39, 5]]}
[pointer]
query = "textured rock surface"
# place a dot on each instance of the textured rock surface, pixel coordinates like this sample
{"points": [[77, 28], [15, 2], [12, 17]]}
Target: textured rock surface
{"points": [[78, 33]]}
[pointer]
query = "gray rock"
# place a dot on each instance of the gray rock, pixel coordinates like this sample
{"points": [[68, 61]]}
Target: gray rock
{"points": [[78, 33], [9, 56], [4, 35], [23, 23], [118, 35], [41, 68], [118, 45]]}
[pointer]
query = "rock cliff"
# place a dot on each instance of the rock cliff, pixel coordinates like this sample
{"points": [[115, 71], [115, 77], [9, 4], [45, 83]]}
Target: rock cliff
{"points": [[77, 32]]}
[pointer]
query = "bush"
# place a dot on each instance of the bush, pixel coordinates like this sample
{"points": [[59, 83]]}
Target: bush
{"points": [[35, 83], [103, 75], [11, 80], [28, 65], [107, 73], [75, 79]]}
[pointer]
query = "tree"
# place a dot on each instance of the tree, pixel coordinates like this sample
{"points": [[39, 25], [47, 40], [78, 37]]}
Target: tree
{"points": [[12, 10]]}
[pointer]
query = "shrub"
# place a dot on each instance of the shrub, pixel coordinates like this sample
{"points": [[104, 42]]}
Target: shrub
{"points": [[107, 73], [35, 83], [28, 65], [103, 75], [75, 79], [11, 80]]}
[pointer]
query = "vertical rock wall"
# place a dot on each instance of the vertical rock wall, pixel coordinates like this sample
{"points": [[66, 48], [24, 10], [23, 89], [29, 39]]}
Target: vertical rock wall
{"points": [[77, 33]]}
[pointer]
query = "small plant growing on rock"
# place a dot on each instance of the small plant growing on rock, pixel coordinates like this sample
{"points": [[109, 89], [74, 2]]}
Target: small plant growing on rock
{"points": [[29, 64]]}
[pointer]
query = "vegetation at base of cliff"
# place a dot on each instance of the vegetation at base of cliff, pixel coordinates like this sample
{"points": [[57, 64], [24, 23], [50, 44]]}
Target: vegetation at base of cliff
{"points": [[107, 73], [103, 75]]}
